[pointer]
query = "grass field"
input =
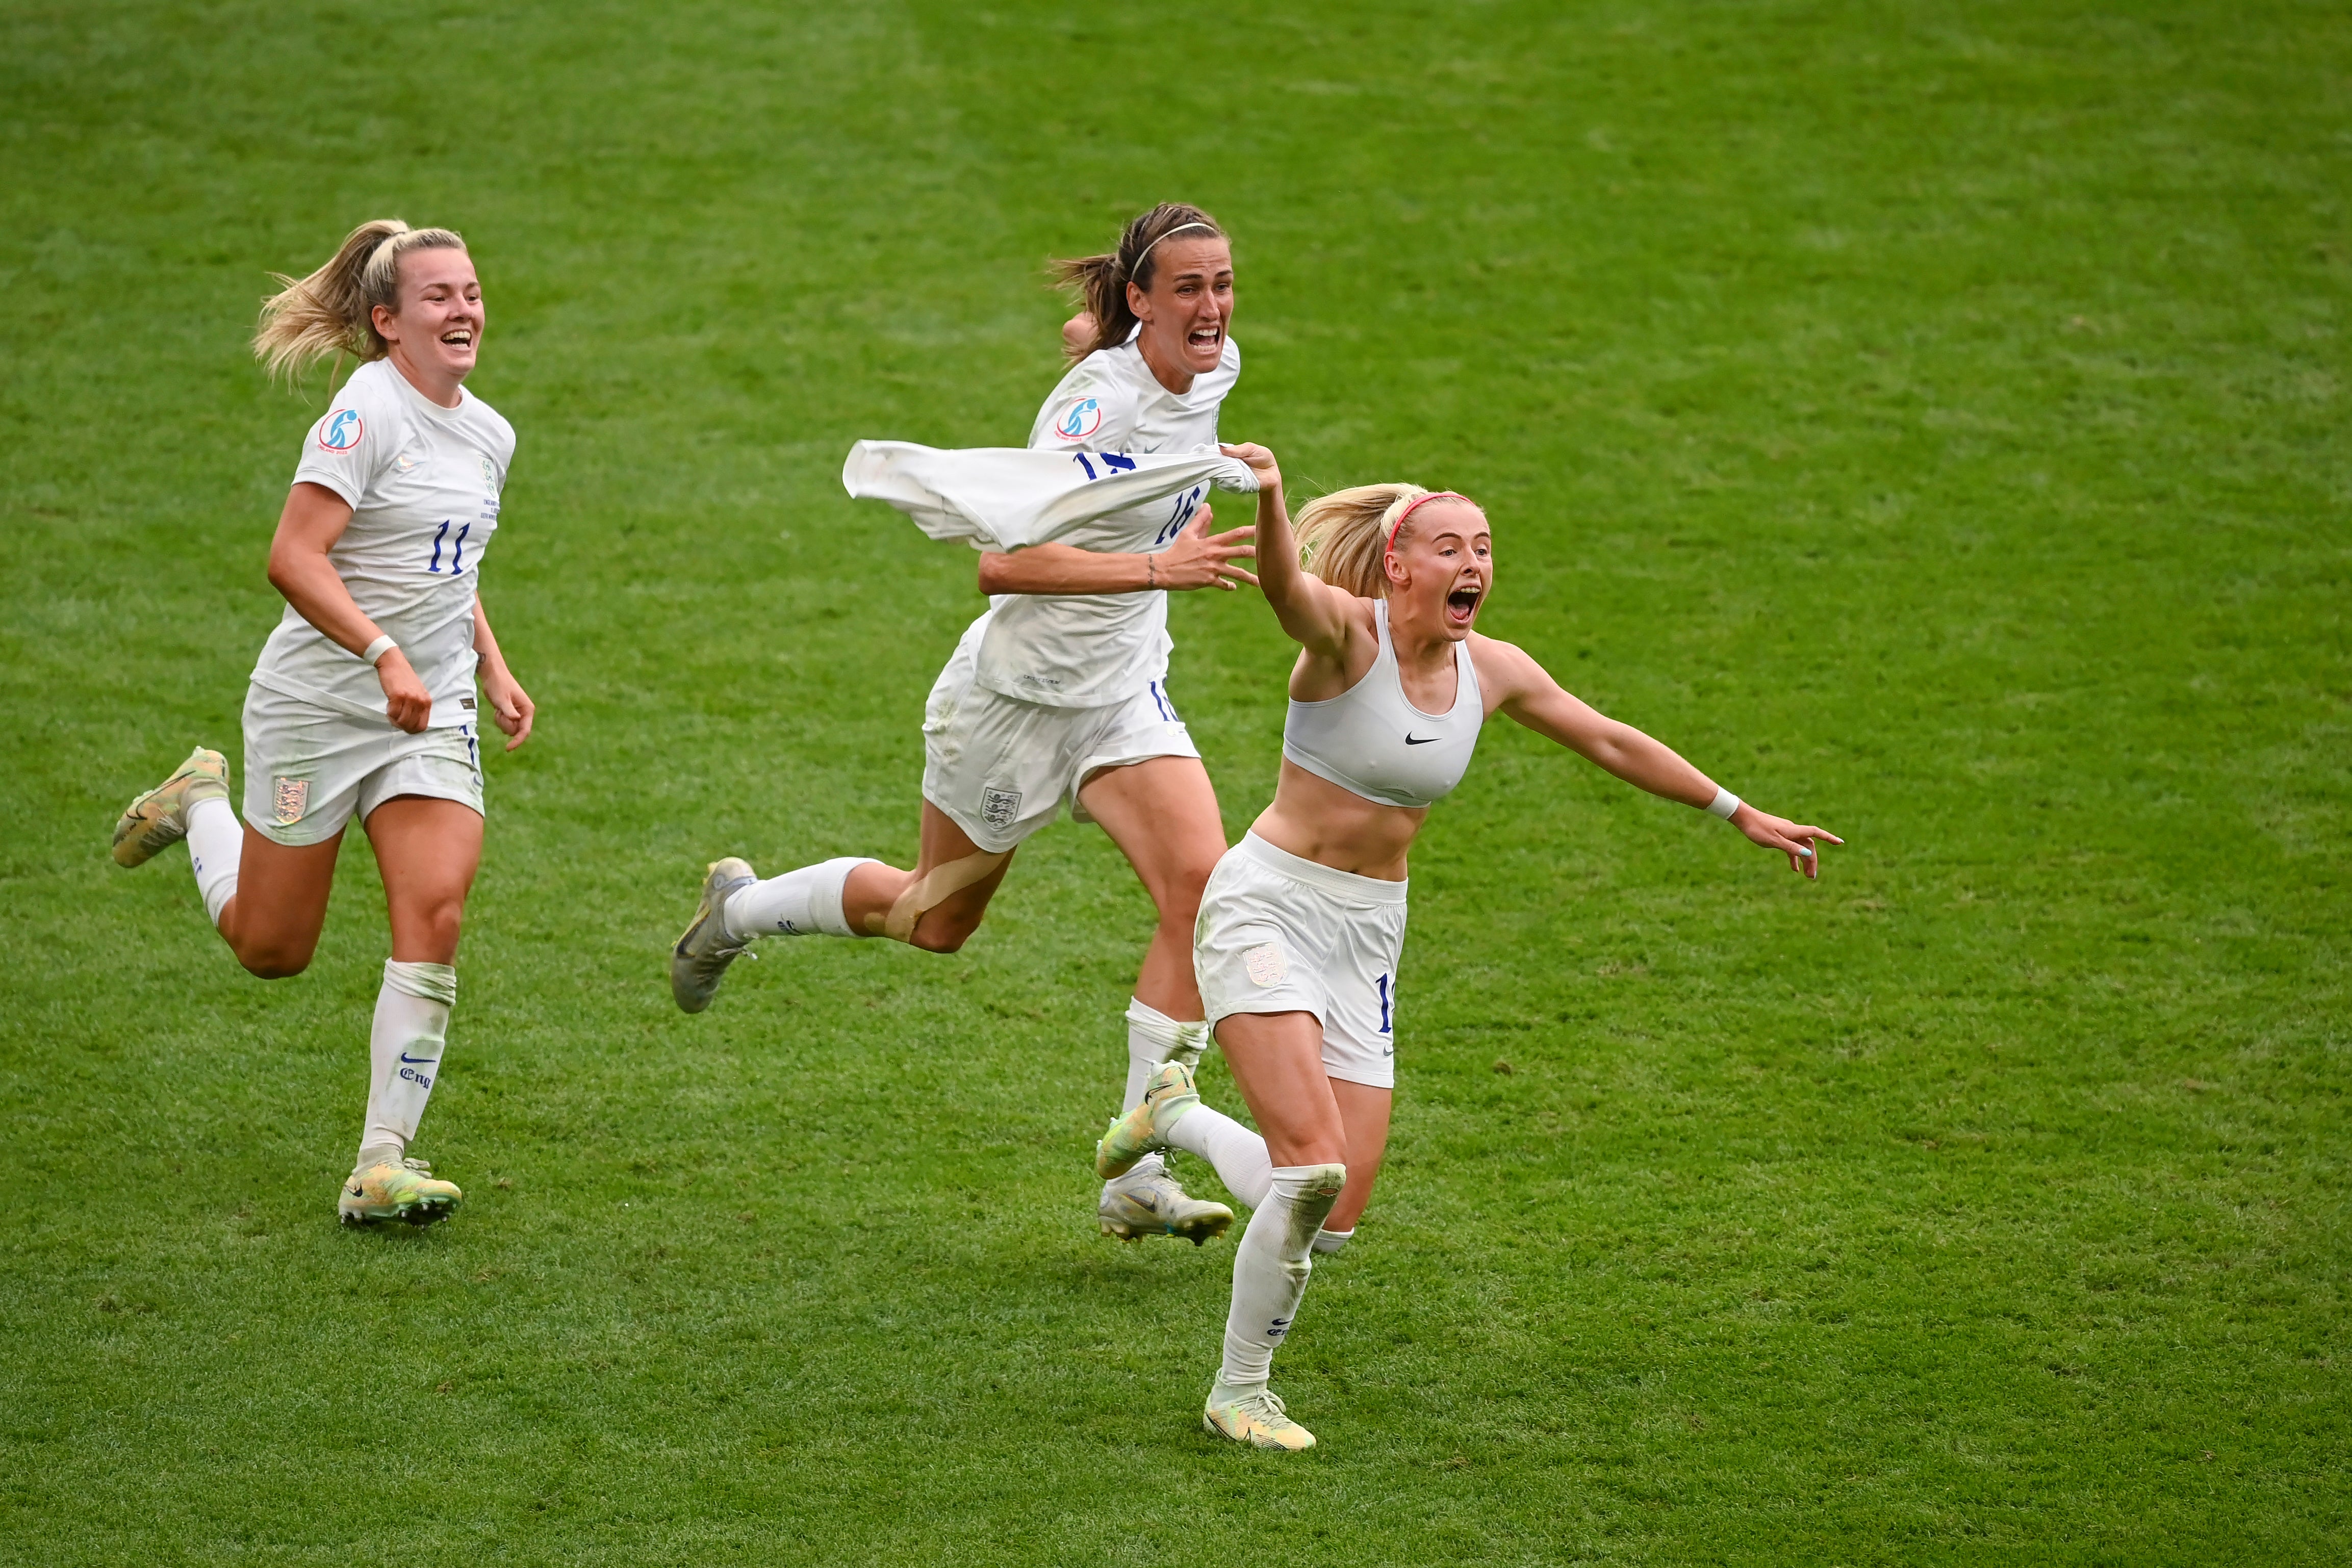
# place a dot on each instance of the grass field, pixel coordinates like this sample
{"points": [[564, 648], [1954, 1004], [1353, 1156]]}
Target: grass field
{"points": [[1930, 418]]}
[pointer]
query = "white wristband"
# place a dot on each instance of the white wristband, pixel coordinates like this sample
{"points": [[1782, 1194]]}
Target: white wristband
{"points": [[378, 649], [1724, 803]]}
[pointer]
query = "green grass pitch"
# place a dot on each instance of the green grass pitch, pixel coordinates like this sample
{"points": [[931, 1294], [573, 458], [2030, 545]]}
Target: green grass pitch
{"points": [[1929, 417]]}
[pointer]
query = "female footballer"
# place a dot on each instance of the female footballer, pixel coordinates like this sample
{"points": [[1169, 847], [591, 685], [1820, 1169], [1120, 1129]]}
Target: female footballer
{"points": [[1303, 922], [1059, 692], [363, 704]]}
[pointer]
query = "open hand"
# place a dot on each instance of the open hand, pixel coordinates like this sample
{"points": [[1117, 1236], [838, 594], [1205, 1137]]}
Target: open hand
{"points": [[1799, 843], [1197, 559]]}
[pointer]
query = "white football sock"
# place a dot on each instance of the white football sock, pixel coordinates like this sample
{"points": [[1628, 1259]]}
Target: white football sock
{"points": [[215, 845], [1152, 1037], [411, 1025], [1239, 1154], [1329, 1241], [804, 903], [1270, 1271]]}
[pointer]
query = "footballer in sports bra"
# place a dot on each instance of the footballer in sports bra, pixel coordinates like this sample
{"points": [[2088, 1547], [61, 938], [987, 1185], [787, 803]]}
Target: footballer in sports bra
{"points": [[1303, 921]]}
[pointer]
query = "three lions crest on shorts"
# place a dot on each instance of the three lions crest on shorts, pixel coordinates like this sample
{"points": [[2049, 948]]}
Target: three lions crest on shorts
{"points": [[289, 799], [999, 807], [1266, 966]]}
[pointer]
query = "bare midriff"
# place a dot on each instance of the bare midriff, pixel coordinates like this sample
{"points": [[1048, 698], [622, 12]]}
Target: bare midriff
{"points": [[1315, 819]]}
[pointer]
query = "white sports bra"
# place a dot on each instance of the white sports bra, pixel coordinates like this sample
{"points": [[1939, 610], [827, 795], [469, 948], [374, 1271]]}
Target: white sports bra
{"points": [[1372, 741]]}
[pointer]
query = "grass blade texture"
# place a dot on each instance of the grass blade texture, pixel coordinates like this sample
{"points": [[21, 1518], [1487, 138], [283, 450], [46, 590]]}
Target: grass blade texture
{"points": [[1929, 418]]}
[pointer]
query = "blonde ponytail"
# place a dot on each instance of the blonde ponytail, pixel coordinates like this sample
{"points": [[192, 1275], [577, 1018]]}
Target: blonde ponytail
{"points": [[1343, 537], [332, 310]]}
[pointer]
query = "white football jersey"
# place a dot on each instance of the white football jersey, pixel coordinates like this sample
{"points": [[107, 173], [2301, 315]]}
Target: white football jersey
{"points": [[424, 484], [1093, 649]]}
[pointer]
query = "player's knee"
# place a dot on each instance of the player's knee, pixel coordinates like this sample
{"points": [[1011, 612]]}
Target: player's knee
{"points": [[434, 924], [274, 962], [941, 935], [1179, 897]]}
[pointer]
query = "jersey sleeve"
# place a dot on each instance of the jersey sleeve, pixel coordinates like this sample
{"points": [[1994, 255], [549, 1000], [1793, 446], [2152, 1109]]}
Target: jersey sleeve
{"points": [[351, 444], [1091, 411]]}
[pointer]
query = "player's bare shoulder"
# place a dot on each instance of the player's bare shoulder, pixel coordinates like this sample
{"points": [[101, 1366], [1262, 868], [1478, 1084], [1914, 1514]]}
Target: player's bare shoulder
{"points": [[1506, 671]]}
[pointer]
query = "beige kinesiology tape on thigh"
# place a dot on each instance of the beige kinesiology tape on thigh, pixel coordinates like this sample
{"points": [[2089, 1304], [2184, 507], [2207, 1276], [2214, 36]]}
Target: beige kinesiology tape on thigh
{"points": [[932, 889]]}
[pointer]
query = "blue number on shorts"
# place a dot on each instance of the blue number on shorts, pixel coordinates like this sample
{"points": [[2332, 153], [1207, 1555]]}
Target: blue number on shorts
{"points": [[1386, 1023], [438, 535], [457, 547]]}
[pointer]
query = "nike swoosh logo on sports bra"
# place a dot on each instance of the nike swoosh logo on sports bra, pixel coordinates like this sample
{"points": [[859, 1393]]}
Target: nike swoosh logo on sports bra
{"points": [[1412, 740]]}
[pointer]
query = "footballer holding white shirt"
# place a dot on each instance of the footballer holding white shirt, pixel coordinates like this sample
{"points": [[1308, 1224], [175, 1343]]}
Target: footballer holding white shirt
{"points": [[1059, 693], [363, 701]]}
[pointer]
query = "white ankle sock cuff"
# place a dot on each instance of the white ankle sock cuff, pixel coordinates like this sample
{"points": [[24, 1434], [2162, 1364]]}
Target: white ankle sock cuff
{"points": [[830, 886], [1328, 1241], [1292, 1183], [1146, 1022], [430, 982]]}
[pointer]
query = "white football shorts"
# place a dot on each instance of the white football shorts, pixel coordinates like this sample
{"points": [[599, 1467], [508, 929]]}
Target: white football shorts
{"points": [[1001, 767], [309, 769], [1281, 935]]}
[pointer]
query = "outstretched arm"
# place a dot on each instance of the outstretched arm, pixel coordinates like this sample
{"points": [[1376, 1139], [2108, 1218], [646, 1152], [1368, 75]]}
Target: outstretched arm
{"points": [[1194, 558], [1529, 694], [1318, 617]]}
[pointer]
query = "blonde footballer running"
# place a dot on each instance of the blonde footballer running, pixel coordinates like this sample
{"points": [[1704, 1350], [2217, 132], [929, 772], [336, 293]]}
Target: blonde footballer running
{"points": [[363, 704], [1057, 695], [1303, 922]]}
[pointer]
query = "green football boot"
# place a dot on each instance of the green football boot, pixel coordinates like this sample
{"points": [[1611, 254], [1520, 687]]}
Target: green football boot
{"points": [[1143, 1130], [397, 1190], [159, 818], [1256, 1418]]}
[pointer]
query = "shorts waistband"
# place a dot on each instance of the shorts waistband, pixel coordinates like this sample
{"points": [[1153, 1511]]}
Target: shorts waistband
{"points": [[1315, 874]]}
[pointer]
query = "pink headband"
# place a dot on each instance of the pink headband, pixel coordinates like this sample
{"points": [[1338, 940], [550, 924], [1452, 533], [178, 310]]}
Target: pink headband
{"points": [[1434, 496]]}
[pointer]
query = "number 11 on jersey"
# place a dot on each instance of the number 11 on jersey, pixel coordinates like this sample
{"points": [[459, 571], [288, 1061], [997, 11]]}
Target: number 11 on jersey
{"points": [[456, 547]]}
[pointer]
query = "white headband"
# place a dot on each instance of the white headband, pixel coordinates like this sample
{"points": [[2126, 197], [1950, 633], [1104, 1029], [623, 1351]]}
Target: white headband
{"points": [[1180, 228]]}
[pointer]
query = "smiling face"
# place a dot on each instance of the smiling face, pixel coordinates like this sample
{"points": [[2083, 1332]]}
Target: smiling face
{"points": [[1443, 569], [1190, 305], [436, 333]]}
